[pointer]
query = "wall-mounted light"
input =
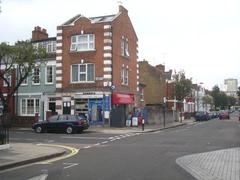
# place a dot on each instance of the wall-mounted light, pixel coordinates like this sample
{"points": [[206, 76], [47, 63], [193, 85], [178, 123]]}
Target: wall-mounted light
{"points": [[82, 61]]}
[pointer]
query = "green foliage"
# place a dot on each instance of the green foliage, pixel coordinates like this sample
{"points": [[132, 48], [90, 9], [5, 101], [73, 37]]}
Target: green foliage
{"points": [[207, 99], [221, 100], [183, 86], [18, 60]]}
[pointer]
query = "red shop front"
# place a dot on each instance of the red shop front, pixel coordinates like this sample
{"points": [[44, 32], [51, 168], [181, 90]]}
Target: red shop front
{"points": [[121, 106], [118, 98]]}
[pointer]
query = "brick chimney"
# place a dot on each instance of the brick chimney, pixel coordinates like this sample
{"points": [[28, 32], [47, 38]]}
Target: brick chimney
{"points": [[39, 33], [122, 9]]}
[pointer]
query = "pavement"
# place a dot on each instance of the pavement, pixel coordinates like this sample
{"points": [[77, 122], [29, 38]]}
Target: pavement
{"points": [[213, 165]]}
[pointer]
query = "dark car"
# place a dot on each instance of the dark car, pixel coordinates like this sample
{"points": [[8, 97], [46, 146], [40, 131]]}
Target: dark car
{"points": [[224, 115], [62, 123], [202, 116]]}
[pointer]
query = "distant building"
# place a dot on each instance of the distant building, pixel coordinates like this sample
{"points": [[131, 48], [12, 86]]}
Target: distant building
{"points": [[231, 87]]}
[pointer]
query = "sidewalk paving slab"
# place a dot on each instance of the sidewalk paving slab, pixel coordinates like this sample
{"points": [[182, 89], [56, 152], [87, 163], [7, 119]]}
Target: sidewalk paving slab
{"points": [[26, 153]]}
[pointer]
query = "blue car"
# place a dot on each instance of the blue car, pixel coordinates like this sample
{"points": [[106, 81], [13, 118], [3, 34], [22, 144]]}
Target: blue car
{"points": [[202, 116]]}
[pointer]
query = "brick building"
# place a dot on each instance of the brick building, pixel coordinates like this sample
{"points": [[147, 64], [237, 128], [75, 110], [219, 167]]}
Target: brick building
{"points": [[96, 67], [154, 79]]}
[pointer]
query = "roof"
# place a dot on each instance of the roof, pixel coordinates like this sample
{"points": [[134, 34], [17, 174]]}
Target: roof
{"points": [[98, 19], [42, 40]]}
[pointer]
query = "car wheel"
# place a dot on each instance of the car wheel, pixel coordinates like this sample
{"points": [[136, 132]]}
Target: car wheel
{"points": [[38, 129], [69, 130]]}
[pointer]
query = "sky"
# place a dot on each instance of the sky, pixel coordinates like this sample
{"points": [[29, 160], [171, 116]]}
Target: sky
{"points": [[201, 37]]}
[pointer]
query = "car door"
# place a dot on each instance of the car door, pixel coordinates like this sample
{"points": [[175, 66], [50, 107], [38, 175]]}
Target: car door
{"points": [[52, 123], [62, 124]]}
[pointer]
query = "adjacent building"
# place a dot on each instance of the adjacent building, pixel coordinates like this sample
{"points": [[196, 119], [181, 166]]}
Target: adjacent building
{"points": [[36, 95]]}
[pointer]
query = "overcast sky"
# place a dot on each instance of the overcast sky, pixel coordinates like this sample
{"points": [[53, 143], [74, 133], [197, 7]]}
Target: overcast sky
{"points": [[200, 36]]}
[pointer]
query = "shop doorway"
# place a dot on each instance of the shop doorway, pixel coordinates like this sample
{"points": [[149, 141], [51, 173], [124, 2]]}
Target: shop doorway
{"points": [[95, 112]]}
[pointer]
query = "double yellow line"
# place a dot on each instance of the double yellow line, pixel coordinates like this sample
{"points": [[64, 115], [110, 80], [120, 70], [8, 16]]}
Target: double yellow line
{"points": [[73, 151]]}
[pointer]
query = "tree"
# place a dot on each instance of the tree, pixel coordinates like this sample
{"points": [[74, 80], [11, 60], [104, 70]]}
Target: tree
{"points": [[221, 100], [207, 99], [238, 93], [18, 60], [183, 86]]}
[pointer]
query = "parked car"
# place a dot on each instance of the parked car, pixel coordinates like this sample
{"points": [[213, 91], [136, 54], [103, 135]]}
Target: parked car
{"points": [[224, 115], [62, 123], [202, 116]]}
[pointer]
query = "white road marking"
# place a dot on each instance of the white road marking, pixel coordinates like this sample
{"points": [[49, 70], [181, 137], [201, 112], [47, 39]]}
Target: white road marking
{"points": [[80, 137], [40, 177], [104, 142], [70, 165]]}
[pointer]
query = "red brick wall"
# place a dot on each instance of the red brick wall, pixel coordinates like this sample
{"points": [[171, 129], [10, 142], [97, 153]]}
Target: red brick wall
{"points": [[122, 27], [69, 58]]}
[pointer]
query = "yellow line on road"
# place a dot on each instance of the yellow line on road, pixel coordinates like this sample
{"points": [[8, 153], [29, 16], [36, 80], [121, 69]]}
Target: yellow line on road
{"points": [[73, 151]]}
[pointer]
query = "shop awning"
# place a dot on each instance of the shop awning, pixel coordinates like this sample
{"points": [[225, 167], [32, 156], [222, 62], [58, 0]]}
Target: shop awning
{"points": [[118, 98]]}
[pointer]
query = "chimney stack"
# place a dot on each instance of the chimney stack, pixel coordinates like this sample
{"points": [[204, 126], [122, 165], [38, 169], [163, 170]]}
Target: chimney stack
{"points": [[39, 33], [122, 9]]}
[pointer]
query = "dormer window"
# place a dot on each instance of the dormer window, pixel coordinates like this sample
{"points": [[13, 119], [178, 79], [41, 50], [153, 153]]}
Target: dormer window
{"points": [[84, 42]]}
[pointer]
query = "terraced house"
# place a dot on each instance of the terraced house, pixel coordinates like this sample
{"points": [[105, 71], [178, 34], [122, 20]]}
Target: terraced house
{"points": [[36, 94]]}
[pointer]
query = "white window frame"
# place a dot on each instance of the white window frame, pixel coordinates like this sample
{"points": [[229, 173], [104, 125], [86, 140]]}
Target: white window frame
{"points": [[9, 80], [124, 47], [76, 42], [86, 73], [124, 76], [34, 75], [36, 106], [47, 75], [25, 81]]}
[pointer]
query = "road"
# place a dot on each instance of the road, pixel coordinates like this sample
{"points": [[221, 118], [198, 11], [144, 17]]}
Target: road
{"points": [[128, 156]]}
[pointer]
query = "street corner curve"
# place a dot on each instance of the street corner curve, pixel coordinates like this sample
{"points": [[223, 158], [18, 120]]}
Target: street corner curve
{"points": [[73, 151]]}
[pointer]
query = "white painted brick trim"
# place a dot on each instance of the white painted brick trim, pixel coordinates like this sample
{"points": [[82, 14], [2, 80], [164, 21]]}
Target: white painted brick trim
{"points": [[107, 55], [107, 47], [59, 58], [59, 71], [59, 31], [59, 44], [107, 41], [59, 78], [59, 65], [107, 27], [107, 62], [58, 85], [107, 76], [107, 69], [108, 34], [59, 37], [59, 51]]}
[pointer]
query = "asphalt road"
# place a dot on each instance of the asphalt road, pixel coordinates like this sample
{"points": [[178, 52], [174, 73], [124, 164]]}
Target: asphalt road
{"points": [[128, 157]]}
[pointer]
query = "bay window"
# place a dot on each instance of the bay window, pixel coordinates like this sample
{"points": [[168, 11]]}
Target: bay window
{"points": [[29, 106]]}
